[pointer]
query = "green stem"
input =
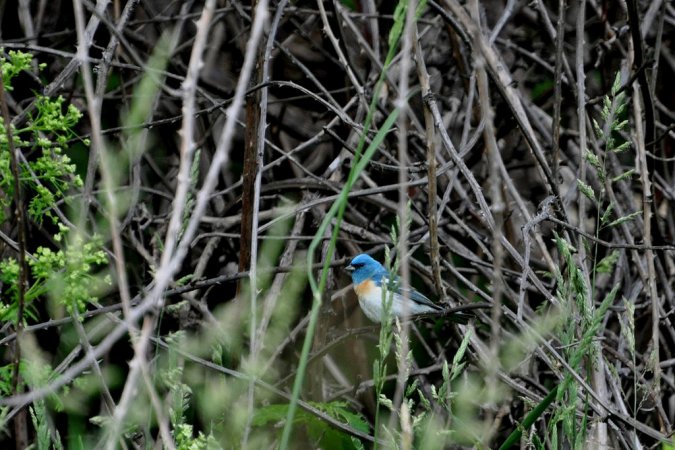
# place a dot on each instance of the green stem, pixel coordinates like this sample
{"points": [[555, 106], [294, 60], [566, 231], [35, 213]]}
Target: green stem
{"points": [[530, 419]]}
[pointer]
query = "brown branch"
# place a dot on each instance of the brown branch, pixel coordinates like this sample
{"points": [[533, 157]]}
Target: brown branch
{"points": [[20, 421]]}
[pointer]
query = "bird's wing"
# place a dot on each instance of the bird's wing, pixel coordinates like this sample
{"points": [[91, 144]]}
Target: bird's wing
{"points": [[393, 285], [420, 298]]}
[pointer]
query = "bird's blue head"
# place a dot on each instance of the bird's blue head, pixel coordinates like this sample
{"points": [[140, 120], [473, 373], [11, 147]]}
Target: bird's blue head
{"points": [[364, 267]]}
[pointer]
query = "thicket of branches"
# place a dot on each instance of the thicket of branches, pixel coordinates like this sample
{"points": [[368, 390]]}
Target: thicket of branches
{"points": [[182, 182]]}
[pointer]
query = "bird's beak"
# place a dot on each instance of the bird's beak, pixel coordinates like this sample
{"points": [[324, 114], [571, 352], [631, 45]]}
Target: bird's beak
{"points": [[350, 268]]}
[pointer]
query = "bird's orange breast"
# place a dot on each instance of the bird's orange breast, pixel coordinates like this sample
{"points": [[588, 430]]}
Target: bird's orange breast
{"points": [[364, 288]]}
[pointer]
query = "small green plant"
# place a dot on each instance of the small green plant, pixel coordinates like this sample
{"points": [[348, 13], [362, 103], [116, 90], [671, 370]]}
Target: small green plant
{"points": [[180, 396], [613, 111], [66, 270], [386, 337], [576, 337], [322, 434], [66, 273], [13, 66], [47, 177], [577, 293], [36, 372]]}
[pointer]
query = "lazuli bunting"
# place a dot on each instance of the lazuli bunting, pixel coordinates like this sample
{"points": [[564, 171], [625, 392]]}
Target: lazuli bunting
{"points": [[369, 276]]}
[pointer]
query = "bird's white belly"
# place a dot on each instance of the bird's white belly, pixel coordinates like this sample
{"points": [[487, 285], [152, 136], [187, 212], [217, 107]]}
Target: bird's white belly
{"points": [[371, 304]]}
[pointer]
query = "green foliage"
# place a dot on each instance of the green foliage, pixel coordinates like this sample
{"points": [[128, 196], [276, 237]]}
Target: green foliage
{"points": [[542, 89], [444, 395], [349, 4], [613, 115], [17, 62], [586, 190], [9, 277], [576, 337], [321, 433], [387, 334], [6, 376], [6, 380], [399, 23], [185, 440], [37, 372], [66, 274], [40, 419], [51, 118], [626, 218], [47, 178], [190, 201], [220, 402], [537, 411], [606, 264], [576, 287], [180, 396]]}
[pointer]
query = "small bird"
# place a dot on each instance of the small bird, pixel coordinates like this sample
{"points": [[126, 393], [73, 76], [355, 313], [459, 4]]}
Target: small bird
{"points": [[368, 277]]}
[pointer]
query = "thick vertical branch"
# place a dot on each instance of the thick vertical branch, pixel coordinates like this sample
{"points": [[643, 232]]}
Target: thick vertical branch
{"points": [[643, 83], [425, 86], [255, 148], [20, 430], [646, 145], [252, 160]]}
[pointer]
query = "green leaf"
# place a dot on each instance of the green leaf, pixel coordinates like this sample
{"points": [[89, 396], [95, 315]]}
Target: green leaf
{"points": [[586, 190], [623, 176], [399, 22], [616, 86], [457, 365], [386, 402], [594, 161], [530, 419], [606, 264], [606, 108], [622, 148], [542, 88], [626, 218], [606, 214], [349, 4], [627, 322], [271, 413], [618, 126], [18, 61], [324, 435]]}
